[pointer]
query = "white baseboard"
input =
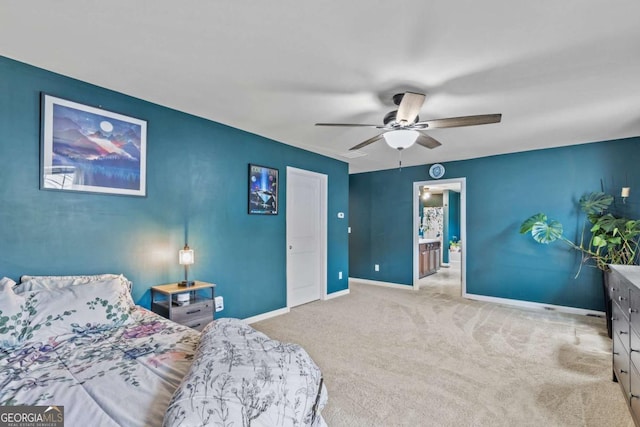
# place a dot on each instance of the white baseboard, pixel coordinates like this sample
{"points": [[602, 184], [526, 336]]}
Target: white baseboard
{"points": [[378, 283], [337, 294], [281, 311], [535, 305], [497, 300], [265, 316]]}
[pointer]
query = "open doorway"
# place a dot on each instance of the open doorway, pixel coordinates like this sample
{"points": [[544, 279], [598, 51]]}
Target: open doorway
{"points": [[439, 235]]}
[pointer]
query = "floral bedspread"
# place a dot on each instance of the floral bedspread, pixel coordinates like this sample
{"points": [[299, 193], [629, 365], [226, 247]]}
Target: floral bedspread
{"points": [[240, 377], [124, 376]]}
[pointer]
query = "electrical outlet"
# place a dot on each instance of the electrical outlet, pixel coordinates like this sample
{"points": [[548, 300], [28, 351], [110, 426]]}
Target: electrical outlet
{"points": [[376, 267], [339, 275], [219, 304]]}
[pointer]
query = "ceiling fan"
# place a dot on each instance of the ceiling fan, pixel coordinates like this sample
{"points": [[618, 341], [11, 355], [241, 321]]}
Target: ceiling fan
{"points": [[402, 127]]}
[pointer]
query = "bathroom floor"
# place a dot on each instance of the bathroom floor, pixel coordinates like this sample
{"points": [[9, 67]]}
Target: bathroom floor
{"points": [[446, 280]]}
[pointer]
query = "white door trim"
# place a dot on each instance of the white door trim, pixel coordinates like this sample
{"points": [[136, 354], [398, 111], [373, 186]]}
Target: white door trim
{"points": [[324, 179], [463, 227]]}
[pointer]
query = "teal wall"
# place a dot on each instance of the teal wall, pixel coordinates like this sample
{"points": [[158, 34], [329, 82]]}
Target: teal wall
{"points": [[452, 222], [502, 191], [196, 185], [445, 229]]}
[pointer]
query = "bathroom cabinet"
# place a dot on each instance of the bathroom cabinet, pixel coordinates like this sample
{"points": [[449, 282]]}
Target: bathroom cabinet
{"points": [[429, 258]]}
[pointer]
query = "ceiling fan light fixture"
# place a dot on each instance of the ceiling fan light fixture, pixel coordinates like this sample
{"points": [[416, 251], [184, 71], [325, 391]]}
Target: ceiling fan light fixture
{"points": [[401, 139]]}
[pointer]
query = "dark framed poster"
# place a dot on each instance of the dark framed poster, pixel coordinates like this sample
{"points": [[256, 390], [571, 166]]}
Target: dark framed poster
{"points": [[263, 190]]}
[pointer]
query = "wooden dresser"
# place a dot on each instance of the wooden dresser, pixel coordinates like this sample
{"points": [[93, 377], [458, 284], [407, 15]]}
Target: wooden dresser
{"points": [[624, 289]]}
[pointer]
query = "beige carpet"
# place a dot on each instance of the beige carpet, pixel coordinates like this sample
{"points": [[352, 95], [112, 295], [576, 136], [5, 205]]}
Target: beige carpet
{"points": [[429, 358]]}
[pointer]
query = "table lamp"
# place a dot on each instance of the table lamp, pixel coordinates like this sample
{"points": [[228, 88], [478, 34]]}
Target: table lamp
{"points": [[185, 257]]}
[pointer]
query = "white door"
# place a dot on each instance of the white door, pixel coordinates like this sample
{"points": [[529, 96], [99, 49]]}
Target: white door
{"points": [[306, 236]]}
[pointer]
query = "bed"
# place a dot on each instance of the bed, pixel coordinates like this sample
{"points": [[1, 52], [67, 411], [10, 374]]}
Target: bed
{"points": [[81, 343]]}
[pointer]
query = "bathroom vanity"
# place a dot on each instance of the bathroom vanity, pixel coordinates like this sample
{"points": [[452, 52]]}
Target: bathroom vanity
{"points": [[428, 256]]}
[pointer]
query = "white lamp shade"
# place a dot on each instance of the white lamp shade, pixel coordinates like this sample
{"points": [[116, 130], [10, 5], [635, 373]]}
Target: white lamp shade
{"points": [[186, 256], [401, 139]]}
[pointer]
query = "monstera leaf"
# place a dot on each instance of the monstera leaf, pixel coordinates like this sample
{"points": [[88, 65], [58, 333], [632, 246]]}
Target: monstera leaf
{"points": [[608, 224], [605, 239], [528, 224], [595, 203], [542, 230]]}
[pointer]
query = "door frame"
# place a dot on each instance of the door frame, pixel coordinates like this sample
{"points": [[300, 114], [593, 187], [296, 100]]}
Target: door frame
{"points": [[463, 228], [324, 179]]}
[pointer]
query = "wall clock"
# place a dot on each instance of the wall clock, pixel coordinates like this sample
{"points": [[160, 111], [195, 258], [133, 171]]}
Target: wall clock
{"points": [[436, 171]]}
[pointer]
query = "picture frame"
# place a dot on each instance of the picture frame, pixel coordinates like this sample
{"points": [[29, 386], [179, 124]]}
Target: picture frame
{"points": [[263, 190], [92, 150]]}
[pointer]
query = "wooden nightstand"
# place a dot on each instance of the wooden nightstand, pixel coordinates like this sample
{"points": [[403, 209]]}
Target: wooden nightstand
{"points": [[196, 314]]}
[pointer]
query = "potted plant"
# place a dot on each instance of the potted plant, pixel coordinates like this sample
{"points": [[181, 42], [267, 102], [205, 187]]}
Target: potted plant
{"points": [[611, 239], [454, 244]]}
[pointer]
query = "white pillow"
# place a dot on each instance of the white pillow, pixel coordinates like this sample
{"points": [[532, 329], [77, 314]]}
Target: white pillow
{"points": [[5, 281], [37, 283], [91, 308], [62, 281], [13, 317]]}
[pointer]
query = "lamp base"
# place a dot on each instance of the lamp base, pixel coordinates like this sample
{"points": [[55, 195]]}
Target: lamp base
{"points": [[186, 283]]}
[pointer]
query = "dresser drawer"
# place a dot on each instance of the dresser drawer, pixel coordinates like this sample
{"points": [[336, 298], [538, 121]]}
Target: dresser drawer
{"points": [[619, 291], [633, 395], [198, 323], [187, 313], [634, 307], [620, 326], [634, 348], [621, 365]]}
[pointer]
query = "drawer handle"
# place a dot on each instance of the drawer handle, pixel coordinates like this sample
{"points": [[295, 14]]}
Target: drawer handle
{"points": [[637, 351], [622, 299], [614, 318], [613, 289], [194, 311], [623, 332], [622, 371], [196, 325], [633, 396], [632, 310]]}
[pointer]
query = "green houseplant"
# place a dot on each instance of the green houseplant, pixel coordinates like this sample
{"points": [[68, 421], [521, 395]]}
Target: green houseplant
{"points": [[605, 238], [612, 240]]}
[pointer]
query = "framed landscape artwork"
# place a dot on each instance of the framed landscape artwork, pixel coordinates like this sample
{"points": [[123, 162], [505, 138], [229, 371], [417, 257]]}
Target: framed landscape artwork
{"points": [[89, 149], [263, 190]]}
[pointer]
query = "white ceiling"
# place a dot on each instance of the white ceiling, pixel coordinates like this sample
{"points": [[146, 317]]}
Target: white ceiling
{"points": [[561, 72]]}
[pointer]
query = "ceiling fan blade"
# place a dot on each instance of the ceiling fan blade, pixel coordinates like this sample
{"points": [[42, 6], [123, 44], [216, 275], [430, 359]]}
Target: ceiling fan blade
{"points": [[454, 122], [367, 142], [409, 107], [347, 124], [427, 141]]}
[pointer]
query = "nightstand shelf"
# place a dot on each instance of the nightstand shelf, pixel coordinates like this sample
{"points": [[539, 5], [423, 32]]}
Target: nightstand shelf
{"points": [[196, 314]]}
